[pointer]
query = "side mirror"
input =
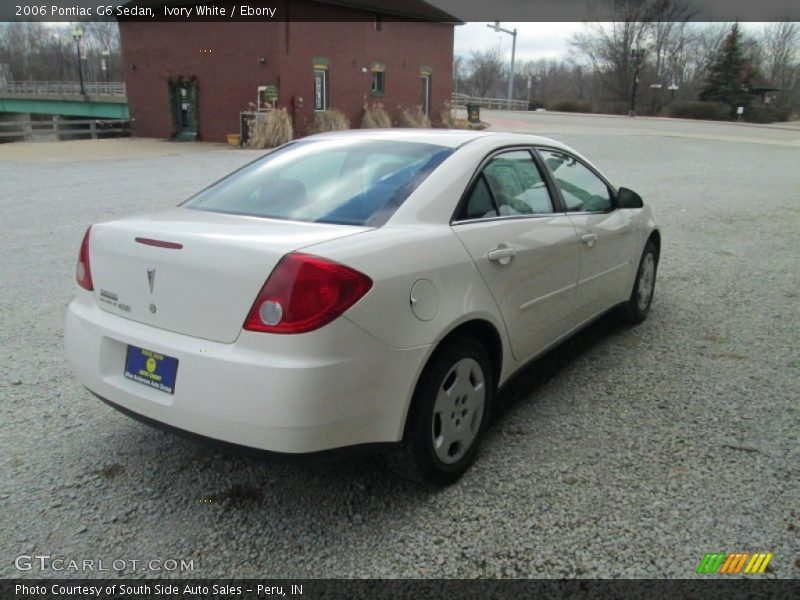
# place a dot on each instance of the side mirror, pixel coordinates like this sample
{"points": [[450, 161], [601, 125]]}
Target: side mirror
{"points": [[628, 199]]}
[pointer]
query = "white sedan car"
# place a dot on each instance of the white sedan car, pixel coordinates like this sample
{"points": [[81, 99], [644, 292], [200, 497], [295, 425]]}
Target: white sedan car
{"points": [[367, 289]]}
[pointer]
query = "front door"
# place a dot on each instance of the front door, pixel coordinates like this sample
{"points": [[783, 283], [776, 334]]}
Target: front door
{"points": [[526, 251], [608, 237]]}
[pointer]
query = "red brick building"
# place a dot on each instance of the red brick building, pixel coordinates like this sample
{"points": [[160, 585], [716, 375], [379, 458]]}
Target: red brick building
{"points": [[192, 80]]}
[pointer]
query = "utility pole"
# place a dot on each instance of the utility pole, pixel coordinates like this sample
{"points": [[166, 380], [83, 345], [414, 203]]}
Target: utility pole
{"points": [[513, 35], [637, 56]]}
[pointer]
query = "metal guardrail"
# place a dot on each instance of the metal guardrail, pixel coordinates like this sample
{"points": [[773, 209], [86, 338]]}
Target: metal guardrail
{"points": [[96, 88], [58, 127], [461, 101]]}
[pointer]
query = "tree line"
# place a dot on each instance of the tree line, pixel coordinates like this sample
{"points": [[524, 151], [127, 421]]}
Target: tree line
{"points": [[49, 52], [705, 70]]}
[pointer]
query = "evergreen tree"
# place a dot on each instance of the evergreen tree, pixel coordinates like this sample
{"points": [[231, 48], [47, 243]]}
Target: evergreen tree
{"points": [[730, 74]]}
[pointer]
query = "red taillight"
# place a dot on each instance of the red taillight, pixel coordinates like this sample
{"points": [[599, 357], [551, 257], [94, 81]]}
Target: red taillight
{"points": [[303, 293], [83, 272]]}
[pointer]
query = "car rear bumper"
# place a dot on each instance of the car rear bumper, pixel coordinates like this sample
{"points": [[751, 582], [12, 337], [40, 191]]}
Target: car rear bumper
{"points": [[334, 387]]}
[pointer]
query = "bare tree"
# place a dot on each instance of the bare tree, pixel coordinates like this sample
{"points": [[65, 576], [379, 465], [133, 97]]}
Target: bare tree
{"points": [[607, 47], [35, 51], [485, 70], [780, 43]]}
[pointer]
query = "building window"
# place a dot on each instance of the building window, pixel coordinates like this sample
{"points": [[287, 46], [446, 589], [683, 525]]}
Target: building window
{"points": [[378, 79], [321, 89]]}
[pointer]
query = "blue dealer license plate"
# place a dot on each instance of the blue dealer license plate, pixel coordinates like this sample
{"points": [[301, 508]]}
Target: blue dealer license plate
{"points": [[151, 369]]}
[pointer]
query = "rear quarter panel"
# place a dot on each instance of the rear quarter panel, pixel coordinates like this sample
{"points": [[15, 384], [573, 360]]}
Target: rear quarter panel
{"points": [[396, 257]]}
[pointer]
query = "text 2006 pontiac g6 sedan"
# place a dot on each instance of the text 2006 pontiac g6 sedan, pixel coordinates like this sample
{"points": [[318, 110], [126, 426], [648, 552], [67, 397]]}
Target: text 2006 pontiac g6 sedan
{"points": [[357, 288]]}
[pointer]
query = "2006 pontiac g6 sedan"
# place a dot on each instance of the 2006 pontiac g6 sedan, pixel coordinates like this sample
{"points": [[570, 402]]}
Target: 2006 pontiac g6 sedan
{"points": [[365, 288]]}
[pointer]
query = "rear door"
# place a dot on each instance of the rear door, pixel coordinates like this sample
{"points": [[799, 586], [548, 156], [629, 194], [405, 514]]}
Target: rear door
{"points": [[608, 237], [525, 249]]}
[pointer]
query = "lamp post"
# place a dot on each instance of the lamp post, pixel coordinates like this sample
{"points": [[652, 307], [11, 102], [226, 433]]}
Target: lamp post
{"points": [[636, 55], [104, 63], [513, 35], [77, 34]]}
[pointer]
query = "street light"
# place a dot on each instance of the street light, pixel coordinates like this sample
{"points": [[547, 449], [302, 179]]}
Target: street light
{"points": [[77, 34], [513, 35], [104, 63], [637, 55]]}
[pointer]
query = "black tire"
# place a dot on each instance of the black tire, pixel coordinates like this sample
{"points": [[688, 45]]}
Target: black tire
{"points": [[635, 310], [418, 458]]}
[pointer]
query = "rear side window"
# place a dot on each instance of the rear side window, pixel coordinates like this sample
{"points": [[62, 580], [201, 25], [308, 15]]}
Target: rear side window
{"points": [[511, 184], [517, 185], [479, 203], [352, 182]]}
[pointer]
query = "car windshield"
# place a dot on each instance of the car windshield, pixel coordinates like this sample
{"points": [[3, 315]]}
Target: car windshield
{"points": [[352, 182]]}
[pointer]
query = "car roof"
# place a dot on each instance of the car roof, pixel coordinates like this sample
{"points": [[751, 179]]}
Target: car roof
{"points": [[451, 138]]}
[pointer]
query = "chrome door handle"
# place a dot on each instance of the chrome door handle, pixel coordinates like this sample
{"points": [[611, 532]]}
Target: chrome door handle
{"points": [[502, 255], [589, 239]]}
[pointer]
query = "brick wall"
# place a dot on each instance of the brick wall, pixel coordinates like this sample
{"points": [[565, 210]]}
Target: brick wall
{"points": [[225, 59]]}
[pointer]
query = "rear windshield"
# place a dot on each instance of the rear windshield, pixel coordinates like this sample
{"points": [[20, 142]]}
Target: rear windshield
{"points": [[352, 182]]}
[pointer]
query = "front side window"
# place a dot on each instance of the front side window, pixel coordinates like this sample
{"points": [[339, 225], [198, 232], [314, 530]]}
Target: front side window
{"points": [[352, 182], [581, 188]]}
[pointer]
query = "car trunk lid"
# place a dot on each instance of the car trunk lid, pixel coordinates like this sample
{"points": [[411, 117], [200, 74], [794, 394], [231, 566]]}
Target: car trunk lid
{"points": [[194, 272]]}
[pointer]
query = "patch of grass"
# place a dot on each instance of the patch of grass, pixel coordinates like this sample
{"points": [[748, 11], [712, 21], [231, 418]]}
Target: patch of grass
{"points": [[709, 111], [579, 106]]}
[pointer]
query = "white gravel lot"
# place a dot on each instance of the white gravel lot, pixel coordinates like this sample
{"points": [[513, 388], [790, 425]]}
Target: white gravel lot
{"points": [[623, 453]]}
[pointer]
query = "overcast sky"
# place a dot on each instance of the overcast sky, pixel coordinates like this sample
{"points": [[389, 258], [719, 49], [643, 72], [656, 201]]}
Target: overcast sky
{"points": [[534, 40]]}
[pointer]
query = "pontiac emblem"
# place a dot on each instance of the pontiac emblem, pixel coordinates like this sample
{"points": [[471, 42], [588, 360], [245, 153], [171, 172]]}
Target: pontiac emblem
{"points": [[151, 278]]}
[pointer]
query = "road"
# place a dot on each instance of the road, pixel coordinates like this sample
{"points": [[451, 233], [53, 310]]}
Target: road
{"points": [[626, 452]]}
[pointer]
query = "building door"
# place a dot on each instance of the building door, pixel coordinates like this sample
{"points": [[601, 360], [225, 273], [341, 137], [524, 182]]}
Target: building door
{"points": [[425, 89], [184, 110]]}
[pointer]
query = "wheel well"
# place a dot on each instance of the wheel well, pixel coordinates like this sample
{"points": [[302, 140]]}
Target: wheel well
{"points": [[487, 335], [655, 237], [481, 330]]}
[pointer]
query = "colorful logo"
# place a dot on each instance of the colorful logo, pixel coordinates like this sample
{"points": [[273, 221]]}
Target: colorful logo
{"points": [[734, 563]]}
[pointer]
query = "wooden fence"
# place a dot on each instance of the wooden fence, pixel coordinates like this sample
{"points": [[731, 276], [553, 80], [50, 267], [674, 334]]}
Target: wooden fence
{"points": [[58, 128]]}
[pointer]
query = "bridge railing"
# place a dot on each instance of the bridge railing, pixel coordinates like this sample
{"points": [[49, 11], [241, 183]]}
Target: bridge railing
{"points": [[95, 88], [461, 101], [58, 128]]}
